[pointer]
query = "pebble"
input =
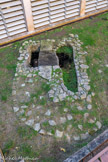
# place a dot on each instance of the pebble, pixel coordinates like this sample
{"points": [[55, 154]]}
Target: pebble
{"points": [[42, 132], [16, 109], [62, 119], [99, 125], [23, 85], [69, 117], [76, 138], [65, 110], [48, 113], [30, 122], [36, 127], [80, 127], [58, 134], [52, 122], [89, 107]]}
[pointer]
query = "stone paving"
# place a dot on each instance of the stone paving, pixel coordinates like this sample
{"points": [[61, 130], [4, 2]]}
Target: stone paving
{"points": [[39, 107]]}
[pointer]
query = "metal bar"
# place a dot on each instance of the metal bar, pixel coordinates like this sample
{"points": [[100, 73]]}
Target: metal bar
{"points": [[4, 22]]}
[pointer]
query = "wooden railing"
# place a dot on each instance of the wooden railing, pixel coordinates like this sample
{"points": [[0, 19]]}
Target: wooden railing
{"points": [[22, 18]]}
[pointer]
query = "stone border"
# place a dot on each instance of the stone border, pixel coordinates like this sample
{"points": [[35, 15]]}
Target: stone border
{"points": [[83, 152]]}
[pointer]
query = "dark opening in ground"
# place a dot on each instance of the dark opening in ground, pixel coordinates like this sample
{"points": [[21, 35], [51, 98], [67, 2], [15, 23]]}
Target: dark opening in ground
{"points": [[34, 59], [66, 62]]}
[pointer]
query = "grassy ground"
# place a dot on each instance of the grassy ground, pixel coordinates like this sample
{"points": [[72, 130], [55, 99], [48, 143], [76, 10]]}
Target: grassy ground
{"points": [[14, 138]]}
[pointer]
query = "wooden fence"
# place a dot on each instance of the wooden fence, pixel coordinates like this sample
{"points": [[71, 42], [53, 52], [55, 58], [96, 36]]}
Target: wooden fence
{"points": [[22, 18]]}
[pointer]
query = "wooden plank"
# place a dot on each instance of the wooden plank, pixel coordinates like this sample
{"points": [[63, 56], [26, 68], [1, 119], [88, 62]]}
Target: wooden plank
{"points": [[99, 155], [83, 6], [28, 14]]}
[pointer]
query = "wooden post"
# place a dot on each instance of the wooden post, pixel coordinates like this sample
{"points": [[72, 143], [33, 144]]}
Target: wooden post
{"points": [[28, 14], [83, 6]]}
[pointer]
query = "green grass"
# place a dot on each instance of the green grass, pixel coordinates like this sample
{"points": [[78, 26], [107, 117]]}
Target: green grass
{"points": [[26, 132], [8, 146], [25, 150]]}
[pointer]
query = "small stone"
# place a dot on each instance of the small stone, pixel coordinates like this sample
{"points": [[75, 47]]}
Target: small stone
{"points": [[89, 107], [106, 65], [49, 133], [20, 58], [87, 87], [80, 127], [27, 94], [48, 113], [89, 98], [24, 107], [84, 136], [21, 112], [29, 113], [58, 134], [93, 94], [16, 109], [37, 127], [86, 115], [79, 108], [23, 119], [62, 120], [69, 117], [99, 125], [52, 122], [100, 71], [83, 96], [55, 99], [41, 97], [30, 122], [71, 35], [42, 132], [39, 107], [65, 110], [91, 121], [30, 81], [84, 66], [29, 75], [13, 92], [76, 138], [23, 85]]}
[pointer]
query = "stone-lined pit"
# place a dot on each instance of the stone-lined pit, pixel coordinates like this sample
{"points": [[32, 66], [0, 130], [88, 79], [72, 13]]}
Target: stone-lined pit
{"points": [[34, 59], [66, 62]]}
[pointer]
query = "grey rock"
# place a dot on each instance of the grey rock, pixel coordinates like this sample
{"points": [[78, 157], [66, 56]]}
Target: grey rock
{"points": [[42, 131], [29, 113], [48, 113], [80, 127], [24, 107], [89, 106], [99, 125], [84, 136], [52, 122], [30, 122], [62, 119], [69, 117], [16, 109], [76, 138], [59, 134], [36, 127]]}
